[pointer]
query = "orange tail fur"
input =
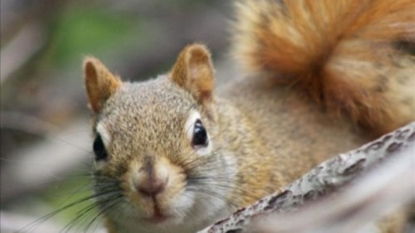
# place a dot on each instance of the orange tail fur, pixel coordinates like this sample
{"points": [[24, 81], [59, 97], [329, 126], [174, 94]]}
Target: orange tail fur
{"points": [[355, 58]]}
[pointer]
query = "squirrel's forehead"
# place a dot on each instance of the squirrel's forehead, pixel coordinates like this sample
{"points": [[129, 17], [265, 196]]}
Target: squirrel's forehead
{"points": [[157, 93], [151, 106], [140, 106], [136, 125]]}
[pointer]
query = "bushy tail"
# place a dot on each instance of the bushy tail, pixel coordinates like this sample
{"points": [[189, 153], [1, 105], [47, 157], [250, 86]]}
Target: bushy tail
{"points": [[353, 57]]}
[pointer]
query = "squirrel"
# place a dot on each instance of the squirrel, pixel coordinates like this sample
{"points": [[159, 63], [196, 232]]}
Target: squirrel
{"points": [[175, 154]]}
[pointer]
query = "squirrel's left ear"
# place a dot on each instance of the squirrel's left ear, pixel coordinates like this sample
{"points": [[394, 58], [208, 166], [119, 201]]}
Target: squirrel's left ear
{"points": [[100, 83], [194, 72]]}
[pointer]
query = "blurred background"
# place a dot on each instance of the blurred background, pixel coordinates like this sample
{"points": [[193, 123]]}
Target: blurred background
{"points": [[45, 151], [45, 135]]}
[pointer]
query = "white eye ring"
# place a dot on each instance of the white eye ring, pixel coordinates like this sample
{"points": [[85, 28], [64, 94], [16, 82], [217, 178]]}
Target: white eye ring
{"points": [[189, 130], [106, 137]]}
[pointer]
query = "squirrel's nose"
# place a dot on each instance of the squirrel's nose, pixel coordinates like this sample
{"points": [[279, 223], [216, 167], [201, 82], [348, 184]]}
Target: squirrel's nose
{"points": [[152, 186]]}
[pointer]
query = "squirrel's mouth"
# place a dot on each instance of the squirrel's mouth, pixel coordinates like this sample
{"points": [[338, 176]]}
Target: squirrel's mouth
{"points": [[157, 219], [158, 215]]}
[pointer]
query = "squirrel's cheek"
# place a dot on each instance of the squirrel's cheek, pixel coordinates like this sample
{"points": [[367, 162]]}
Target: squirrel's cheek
{"points": [[99, 165]]}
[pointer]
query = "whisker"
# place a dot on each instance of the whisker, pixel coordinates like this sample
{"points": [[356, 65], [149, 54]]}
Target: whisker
{"points": [[213, 194], [107, 207], [61, 209], [87, 210]]}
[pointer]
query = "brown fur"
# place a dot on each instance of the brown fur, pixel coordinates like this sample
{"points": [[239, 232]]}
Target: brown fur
{"points": [[265, 131], [99, 82], [194, 72], [343, 54]]}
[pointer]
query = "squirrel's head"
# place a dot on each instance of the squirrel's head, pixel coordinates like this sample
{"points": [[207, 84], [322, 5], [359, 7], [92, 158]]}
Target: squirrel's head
{"points": [[156, 157]]}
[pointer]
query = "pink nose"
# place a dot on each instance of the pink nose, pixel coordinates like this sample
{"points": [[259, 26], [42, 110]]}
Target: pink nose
{"points": [[152, 187]]}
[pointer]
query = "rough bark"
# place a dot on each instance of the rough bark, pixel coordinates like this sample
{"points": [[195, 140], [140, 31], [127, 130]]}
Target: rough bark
{"points": [[382, 188]]}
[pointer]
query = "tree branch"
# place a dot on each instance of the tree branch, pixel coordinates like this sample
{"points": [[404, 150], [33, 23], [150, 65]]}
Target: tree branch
{"points": [[385, 185]]}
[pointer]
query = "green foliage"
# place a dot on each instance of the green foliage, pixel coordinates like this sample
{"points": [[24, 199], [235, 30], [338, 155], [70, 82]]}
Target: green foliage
{"points": [[83, 31]]}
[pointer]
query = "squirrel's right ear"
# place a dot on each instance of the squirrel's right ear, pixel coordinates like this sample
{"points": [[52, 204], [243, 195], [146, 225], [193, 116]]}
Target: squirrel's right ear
{"points": [[100, 83]]}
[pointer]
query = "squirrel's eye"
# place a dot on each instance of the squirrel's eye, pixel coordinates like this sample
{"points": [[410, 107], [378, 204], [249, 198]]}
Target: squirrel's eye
{"points": [[200, 137], [99, 149]]}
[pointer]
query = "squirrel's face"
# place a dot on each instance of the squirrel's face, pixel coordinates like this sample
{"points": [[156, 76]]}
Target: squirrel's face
{"points": [[156, 153]]}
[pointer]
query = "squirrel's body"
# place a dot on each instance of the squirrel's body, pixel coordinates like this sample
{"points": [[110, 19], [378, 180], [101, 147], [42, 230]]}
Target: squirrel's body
{"points": [[306, 125], [174, 155]]}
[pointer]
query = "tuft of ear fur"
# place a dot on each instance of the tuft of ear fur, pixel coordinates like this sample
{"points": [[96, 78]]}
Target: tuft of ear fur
{"points": [[353, 57], [194, 72], [100, 83]]}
